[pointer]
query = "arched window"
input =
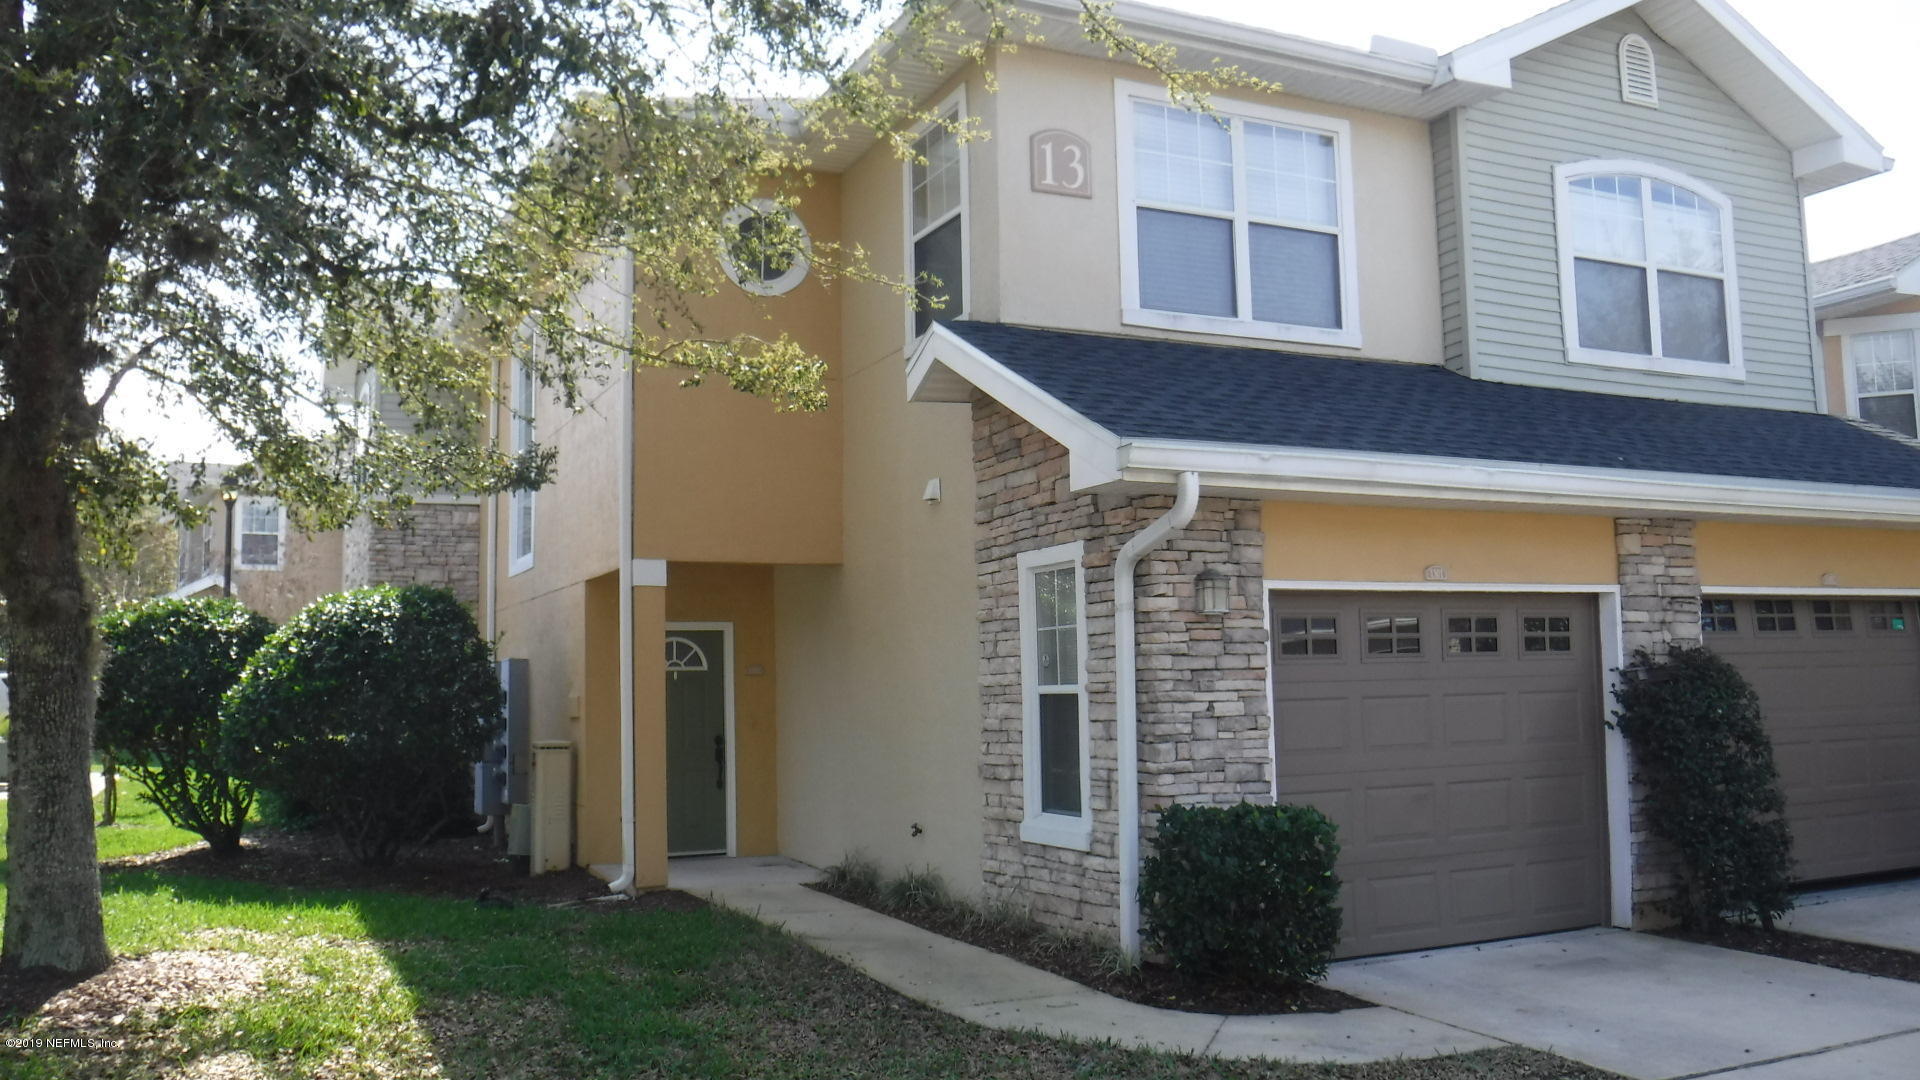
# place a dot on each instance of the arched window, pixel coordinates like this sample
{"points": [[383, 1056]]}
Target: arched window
{"points": [[1647, 269]]}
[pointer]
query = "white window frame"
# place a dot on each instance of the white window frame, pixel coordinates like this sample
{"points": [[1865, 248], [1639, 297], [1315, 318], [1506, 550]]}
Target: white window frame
{"points": [[240, 533], [956, 103], [1037, 826], [773, 286], [1734, 369], [521, 417], [1125, 93], [1846, 329]]}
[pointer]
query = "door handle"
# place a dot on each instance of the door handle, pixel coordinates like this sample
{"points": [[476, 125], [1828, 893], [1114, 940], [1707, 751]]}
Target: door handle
{"points": [[720, 762]]}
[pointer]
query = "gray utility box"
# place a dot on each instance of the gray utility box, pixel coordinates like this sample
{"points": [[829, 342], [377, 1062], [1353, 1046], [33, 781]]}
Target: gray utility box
{"points": [[503, 778]]}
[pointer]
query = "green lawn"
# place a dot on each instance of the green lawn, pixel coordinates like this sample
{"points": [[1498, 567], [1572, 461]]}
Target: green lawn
{"points": [[367, 984]]}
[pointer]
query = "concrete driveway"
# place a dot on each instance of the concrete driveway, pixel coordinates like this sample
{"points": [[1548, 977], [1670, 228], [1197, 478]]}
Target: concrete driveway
{"points": [[1655, 1008], [1885, 914]]}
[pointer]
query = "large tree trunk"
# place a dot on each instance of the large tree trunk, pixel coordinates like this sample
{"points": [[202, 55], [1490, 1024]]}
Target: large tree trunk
{"points": [[53, 880]]}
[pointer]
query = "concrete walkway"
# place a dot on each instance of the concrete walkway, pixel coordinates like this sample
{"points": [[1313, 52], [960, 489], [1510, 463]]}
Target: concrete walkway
{"points": [[990, 989], [1887, 914], [1643, 1006]]}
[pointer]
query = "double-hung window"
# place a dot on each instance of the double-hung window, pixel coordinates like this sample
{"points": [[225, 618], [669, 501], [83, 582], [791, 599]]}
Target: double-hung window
{"points": [[261, 533], [522, 402], [1236, 222], [1646, 270], [1883, 371], [936, 219], [1053, 649]]}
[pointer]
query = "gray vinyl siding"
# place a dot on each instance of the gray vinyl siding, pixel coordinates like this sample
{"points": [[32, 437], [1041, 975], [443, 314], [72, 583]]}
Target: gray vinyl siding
{"points": [[1564, 107], [1454, 302]]}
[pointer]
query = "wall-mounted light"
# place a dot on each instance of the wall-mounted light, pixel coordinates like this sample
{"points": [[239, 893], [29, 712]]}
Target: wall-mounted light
{"points": [[1211, 588]]}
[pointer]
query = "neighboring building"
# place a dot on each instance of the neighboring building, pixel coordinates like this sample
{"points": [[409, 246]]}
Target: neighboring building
{"points": [[1869, 309], [1460, 378]]}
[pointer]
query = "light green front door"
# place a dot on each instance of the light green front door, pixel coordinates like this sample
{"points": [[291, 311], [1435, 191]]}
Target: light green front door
{"points": [[696, 742]]}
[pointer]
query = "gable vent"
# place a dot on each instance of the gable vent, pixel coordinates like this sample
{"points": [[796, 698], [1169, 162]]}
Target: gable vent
{"points": [[1636, 72]]}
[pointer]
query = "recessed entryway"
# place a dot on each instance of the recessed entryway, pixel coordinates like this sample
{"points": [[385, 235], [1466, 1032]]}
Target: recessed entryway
{"points": [[1839, 685], [1456, 739], [700, 774]]}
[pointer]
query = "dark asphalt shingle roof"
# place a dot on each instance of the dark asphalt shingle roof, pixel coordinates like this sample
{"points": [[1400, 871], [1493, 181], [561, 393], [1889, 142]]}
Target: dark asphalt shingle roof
{"points": [[1860, 267], [1155, 389]]}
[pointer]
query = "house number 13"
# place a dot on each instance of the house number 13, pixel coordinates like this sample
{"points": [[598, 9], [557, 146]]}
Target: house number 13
{"points": [[1060, 164]]}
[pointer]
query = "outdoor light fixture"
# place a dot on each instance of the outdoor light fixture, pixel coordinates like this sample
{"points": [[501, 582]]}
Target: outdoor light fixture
{"points": [[228, 495], [1211, 588]]}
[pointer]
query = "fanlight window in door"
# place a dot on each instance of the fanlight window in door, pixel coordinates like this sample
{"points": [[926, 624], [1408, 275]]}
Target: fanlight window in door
{"points": [[684, 655]]}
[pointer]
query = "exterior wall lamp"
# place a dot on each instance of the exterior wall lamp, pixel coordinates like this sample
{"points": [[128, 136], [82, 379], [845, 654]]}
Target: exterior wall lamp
{"points": [[1212, 588], [228, 496]]}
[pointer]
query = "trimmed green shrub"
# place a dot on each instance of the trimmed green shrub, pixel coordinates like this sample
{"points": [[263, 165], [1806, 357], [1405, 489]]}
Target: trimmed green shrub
{"points": [[1701, 748], [167, 665], [1243, 891], [368, 707]]}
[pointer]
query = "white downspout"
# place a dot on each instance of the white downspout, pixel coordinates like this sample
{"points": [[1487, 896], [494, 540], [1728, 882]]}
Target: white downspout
{"points": [[628, 858], [1127, 699]]}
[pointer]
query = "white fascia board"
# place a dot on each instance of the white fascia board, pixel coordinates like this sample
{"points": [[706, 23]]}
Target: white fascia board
{"points": [[944, 367], [1337, 474]]}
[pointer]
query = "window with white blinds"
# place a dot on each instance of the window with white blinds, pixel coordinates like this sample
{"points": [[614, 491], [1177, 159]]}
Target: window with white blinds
{"points": [[1881, 367], [1237, 222]]}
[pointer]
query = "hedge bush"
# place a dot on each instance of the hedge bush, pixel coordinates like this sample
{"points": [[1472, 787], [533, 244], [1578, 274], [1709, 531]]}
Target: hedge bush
{"points": [[167, 665], [368, 707], [1701, 748], [1243, 891]]}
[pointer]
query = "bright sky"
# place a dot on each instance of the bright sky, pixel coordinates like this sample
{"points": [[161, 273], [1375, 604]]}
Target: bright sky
{"points": [[1862, 52]]}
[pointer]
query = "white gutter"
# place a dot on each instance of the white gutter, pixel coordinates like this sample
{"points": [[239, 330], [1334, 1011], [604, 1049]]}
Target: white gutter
{"points": [[1127, 699], [628, 858]]}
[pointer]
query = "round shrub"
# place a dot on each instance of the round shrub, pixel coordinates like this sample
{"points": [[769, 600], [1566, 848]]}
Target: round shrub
{"points": [[1701, 748], [368, 707], [1243, 891], [167, 665]]}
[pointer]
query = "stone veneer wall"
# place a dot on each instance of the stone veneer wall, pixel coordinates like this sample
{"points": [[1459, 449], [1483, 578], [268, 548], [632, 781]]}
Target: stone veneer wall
{"points": [[1659, 608], [438, 544], [1203, 712]]}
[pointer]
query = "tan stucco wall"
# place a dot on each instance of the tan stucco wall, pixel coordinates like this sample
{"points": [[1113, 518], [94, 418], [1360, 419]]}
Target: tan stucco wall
{"points": [[309, 568], [722, 476], [878, 699], [1061, 265], [1837, 402], [1322, 542], [743, 596], [1799, 556]]}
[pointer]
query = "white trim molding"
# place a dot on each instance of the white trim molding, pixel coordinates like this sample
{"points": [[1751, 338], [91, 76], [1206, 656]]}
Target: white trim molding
{"points": [[1038, 826], [1610, 636], [945, 367], [1133, 313], [648, 573], [1735, 368]]}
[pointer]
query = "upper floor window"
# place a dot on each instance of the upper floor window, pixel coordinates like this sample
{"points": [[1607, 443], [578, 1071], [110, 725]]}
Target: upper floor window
{"points": [[520, 503], [936, 218], [1240, 222], [1646, 270], [766, 249], [261, 533], [1881, 377]]}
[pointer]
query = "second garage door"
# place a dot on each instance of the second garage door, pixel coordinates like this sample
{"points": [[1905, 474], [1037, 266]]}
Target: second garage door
{"points": [[1839, 685], [1456, 741]]}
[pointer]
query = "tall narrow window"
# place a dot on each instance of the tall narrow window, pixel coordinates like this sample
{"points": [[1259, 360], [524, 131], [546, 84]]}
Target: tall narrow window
{"points": [[936, 220], [520, 503], [1882, 366], [1237, 222], [1646, 258], [1053, 680], [261, 534]]}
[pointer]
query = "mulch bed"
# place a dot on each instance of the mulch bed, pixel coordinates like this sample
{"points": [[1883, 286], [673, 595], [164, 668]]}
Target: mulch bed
{"points": [[1148, 984], [467, 867], [1827, 952]]}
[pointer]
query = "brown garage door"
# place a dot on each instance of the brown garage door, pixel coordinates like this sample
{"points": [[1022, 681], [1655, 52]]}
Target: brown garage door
{"points": [[1839, 682], [1456, 741]]}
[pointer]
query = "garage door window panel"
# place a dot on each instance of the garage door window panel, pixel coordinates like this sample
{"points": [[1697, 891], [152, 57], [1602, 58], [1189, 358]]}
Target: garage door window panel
{"points": [[1546, 634], [1718, 617], [1053, 683], [1832, 616], [1308, 636], [1775, 617], [1472, 635], [1887, 616], [1391, 635]]}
